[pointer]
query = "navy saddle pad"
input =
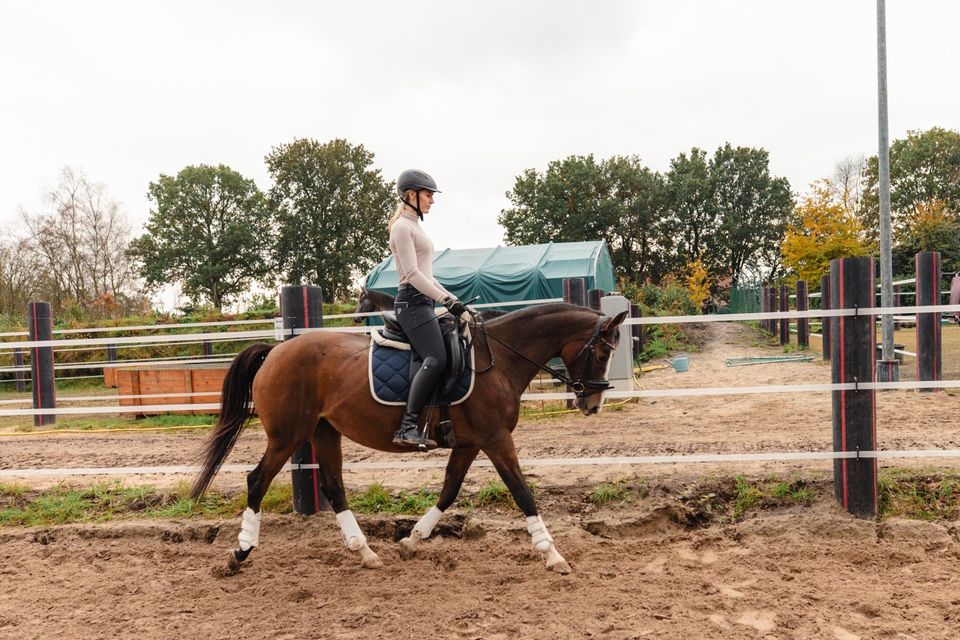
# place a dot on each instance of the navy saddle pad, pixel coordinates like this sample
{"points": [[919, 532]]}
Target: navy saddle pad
{"points": [[390, 376]]}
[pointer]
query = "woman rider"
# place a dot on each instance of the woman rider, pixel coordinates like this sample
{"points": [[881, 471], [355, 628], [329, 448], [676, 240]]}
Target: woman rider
{"points": [[414, 305]]}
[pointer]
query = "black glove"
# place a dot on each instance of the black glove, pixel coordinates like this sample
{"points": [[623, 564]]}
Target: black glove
{"points": [[454, 306]]}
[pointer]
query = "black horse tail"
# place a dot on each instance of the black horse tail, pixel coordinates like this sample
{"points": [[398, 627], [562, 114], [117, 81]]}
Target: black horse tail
{"points": [[235, 409]]}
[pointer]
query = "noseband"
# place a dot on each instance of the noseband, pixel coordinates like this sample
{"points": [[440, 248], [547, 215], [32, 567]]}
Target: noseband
{"points": [[581, 388]]}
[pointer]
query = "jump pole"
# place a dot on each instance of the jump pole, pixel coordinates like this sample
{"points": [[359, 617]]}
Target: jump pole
{"points": [[803, 324], [302, 308], [40, 327], [785, 323], [825, 322], [853, 346], [929, 331]]}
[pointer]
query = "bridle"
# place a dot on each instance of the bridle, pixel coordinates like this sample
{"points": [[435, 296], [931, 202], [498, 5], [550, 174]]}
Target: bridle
{"points": [[581, 388]]}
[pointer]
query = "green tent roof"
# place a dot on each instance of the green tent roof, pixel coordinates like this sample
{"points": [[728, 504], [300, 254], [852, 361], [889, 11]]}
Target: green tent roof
{"points": [[502, 274]]}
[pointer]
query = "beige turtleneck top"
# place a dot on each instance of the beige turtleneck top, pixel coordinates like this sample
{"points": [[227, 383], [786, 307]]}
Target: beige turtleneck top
{"points": [[412, 250]]}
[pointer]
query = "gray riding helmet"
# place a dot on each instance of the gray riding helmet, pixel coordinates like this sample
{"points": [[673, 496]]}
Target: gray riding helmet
{"points": [[415, 180]]}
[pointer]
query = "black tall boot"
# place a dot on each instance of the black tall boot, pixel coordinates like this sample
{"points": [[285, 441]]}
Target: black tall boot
{"points": [[408, 435]]}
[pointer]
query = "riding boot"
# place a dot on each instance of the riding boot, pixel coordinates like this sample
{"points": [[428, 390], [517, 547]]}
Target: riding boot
{"points": [[408, 435]]}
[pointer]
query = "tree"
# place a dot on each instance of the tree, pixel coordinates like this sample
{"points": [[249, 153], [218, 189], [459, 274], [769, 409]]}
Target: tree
{"points": [[79, 243], [22, 277], [577, 198], [824, 230], [332, 210], [208, 232], [932, 228], [694, 217], [753, 209], [924, 167]]}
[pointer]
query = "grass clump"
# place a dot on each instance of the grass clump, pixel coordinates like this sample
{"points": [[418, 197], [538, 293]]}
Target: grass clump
{"points": [[376, 499], [746, 496], [923, 496], [610, 492]]}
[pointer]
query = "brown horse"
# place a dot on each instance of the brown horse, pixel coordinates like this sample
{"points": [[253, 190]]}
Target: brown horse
{"points": [[315, 388], [371, 301]]}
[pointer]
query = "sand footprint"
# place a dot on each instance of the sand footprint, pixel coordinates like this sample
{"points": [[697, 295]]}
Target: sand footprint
{"points": [[719, 620], [707, 557], [656, 565], [762, 621], [842, 634]]}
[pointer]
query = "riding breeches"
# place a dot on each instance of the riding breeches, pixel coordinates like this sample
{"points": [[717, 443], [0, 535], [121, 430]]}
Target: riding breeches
{"points": [[416, 314]]}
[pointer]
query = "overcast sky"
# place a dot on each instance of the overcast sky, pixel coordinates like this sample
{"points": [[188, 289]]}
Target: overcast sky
{"points": [[472, 92]]}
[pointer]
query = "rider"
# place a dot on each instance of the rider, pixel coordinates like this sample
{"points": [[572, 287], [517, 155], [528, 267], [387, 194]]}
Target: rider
{"points": [[413, 254]]}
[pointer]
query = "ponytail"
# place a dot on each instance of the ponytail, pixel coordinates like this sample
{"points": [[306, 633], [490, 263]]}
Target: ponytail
{"points": [[395, 216]]}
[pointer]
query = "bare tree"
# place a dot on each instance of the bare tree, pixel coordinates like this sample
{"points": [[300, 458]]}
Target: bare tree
{"points": [[81, 242], [848, 183], [22, 278]]}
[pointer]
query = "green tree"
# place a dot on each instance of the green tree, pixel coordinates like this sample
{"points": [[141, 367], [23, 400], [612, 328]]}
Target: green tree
{"points": [[577, 198], [332, 210], [753, 209], [823, 230], [694, 216], [924, 167], [208, 231], [932, 228]]}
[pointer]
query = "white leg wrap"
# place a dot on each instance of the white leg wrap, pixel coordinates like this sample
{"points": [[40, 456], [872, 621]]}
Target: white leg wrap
{"points": [[425, 525], [352, 536], [538, 531], [249, 530]]}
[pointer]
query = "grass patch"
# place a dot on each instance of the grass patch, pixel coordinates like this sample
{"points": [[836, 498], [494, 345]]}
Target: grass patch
{"points": [[376, 499], [200, 421], [746, 496], [493, 494], [610, 492], [922, 496]]}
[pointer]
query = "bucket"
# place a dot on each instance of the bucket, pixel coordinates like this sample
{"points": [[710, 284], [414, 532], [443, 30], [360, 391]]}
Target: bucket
{"points": [[679, 362]]}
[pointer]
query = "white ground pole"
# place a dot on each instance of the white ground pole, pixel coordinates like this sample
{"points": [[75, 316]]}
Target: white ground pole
{"points": [[621, 360]]}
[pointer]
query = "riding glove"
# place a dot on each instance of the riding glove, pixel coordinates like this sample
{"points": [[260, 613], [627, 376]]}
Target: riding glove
{"points": [[454, 306]]}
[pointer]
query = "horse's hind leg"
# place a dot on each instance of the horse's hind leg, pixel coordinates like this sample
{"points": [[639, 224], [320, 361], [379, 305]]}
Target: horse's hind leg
{"points": [[258, 481], [327, 444], [503, 455], [460, 460]]}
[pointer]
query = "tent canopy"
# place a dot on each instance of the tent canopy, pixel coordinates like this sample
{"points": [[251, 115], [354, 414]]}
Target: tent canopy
{"points": [[504, 274]]}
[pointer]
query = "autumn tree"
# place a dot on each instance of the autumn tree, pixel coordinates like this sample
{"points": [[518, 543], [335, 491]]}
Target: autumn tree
{"points": [[933, 227], [823, 230]]}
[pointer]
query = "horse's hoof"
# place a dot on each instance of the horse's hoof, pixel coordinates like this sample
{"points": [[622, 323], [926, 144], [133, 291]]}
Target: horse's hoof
{"points": [[559, 566], [408, 549], [372, 562]]}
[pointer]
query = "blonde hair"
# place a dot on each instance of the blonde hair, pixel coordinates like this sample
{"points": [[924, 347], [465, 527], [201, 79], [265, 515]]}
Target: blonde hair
{"points": [[399, 211]]}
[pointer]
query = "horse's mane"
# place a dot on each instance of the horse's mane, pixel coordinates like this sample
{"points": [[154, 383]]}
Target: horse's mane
{"points": [[536, 311]]}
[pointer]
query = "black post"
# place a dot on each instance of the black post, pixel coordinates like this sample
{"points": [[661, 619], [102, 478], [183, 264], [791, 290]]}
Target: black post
{"points": [[764, 308], [593, 298], [803, 324], [774, 306], [207, 349], [636, 330], [825, 322], [575, 291], [929, 330], [896, 296], [40, 326], [302, 308], [18, 376], [852, 285], [111, 353], [785, 322]]}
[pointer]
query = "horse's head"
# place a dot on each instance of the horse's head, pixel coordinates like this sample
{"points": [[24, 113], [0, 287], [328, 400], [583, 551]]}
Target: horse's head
{"points": [[364, 305], [587, 359]]}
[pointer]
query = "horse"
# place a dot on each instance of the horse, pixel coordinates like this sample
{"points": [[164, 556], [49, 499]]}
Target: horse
{"points": [[371, 301], [315, 389]]}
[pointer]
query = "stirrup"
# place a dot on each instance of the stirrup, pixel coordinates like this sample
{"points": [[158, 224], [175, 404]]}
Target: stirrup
{"points": [[411, 437]]}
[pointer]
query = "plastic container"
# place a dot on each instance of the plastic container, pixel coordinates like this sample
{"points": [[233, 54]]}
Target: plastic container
{"points": [[679, 362]]}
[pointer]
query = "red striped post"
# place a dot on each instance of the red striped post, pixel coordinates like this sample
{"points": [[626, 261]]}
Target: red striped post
{"points": [[929, 330], [575, 291], [40, 327], [302, 308], [593, 298], [774, 306], [765, 308], [803, 324], [825, 322], [854, 342], [785, 322]]}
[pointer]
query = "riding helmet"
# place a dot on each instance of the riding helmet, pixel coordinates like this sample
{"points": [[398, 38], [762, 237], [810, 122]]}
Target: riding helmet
{"points": [[415, 180]]}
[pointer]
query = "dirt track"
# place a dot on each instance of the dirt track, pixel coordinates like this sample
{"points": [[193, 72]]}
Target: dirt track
{"points": [[641, 568]]}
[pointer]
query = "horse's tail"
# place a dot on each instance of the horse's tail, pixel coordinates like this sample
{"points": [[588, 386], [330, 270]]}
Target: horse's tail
{"points": [[234, 411]]}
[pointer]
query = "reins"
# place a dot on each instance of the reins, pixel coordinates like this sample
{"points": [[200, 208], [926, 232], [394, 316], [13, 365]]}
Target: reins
{"points": [[580, 385]]}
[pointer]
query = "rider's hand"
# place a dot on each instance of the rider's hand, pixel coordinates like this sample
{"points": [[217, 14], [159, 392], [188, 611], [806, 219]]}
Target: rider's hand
{"points": [[454, 306]]}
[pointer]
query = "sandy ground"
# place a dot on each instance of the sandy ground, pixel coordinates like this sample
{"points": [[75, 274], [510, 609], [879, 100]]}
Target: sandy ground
{"points": [[651, 567]]}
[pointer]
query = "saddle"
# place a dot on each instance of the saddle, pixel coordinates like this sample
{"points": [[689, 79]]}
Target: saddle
{"points": [[393, 362]]}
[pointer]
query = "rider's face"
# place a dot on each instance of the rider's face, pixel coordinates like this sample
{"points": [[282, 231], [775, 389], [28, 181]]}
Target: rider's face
{"points": [[426, 199]]}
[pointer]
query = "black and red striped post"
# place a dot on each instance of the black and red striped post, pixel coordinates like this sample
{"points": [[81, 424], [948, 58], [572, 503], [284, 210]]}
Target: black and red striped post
{"points": [[593, 298], [18, 377], [785, 322], [825, 322], [302, 308], [803, 324], [929, 331], [40, 327], [575, 291], [774, 306], [854, 342]]}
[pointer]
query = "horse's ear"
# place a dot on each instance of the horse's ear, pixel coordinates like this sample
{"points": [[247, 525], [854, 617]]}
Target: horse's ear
{"points": [[612, 323]]}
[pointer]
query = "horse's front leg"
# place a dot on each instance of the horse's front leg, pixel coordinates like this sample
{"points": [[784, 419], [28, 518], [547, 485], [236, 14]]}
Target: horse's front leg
{"points": [[460, 460], [503, 454]]}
